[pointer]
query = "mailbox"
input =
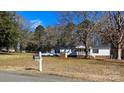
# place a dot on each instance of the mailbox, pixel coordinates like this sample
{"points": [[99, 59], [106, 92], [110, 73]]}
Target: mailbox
{"points": [[36, 58]]}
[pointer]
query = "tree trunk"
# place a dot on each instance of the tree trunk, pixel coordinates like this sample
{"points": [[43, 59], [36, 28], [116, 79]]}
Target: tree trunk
{"points": [[86, 56], [119, 52], [7, 48], [86, 51]]}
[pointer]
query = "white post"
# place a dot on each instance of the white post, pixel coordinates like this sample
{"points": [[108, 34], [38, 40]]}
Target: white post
{"points": [[40, 62], [66, 55]]}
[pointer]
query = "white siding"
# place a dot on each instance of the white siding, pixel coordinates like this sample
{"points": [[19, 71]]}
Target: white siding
{"points": [[102, 52], [65, 51]]}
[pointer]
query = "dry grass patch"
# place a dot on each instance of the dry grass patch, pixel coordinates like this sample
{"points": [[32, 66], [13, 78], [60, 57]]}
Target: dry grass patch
{"points": [[89, 70], [86, 69], [16, 60]]}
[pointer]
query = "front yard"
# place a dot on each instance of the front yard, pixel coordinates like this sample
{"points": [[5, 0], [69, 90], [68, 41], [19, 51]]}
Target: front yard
{"points": [[86, 69]]}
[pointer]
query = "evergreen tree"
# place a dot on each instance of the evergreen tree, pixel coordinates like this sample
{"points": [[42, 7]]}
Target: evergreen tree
{"points": [[39, 36], [9, 32]]}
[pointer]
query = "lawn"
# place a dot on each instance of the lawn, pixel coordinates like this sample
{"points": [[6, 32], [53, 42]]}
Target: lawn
{"points": [[86, 69]]}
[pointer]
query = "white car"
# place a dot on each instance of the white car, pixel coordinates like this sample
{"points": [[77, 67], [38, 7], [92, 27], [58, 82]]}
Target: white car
{"points": [[47, 54]]}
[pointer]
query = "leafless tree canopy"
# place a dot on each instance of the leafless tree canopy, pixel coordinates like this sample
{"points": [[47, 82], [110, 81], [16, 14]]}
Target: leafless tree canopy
{"points": [[112, 29]]}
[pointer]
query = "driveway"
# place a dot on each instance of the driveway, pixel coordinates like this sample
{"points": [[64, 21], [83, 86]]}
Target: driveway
{"points": [[14, 77]]}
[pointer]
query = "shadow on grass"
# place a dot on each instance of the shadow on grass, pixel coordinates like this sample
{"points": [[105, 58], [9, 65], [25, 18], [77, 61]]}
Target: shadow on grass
{"points": [[31, 69], [5, 53]]}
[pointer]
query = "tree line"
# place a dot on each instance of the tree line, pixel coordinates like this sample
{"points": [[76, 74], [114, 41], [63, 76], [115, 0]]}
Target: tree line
{"points": [[73, 28]]}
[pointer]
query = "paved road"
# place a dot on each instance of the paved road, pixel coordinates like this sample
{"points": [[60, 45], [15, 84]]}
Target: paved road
{"points": [[12, 77]]}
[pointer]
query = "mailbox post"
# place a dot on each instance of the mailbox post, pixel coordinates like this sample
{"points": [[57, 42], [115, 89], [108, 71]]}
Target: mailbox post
{"points": [[38, 58], [40, 61]]}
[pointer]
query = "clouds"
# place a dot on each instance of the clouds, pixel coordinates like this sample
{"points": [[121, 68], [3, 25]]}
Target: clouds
{"points": [[35, 23]]}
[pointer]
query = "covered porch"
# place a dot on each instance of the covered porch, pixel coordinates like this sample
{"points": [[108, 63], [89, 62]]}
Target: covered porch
{"points": [[80, 50]]}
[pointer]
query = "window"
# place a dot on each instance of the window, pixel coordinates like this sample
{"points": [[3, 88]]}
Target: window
{"points": [[95, 50]]}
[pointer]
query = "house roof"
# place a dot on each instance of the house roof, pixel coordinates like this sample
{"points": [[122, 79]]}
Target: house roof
{"points": [[100, 46], [81, 46]]}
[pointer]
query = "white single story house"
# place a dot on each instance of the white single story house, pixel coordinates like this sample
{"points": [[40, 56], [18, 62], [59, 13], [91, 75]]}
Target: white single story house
{"points": [[100, 51]]}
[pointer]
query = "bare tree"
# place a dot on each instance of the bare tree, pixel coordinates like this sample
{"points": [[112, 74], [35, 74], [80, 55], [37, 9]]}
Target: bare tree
{"points": [[24, 30], [85, 24], [86, 28], [113, 30], [67, 29], [51, 37]]}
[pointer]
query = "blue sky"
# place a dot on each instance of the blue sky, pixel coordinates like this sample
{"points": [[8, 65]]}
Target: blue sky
{"points": [[44, 18]]}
